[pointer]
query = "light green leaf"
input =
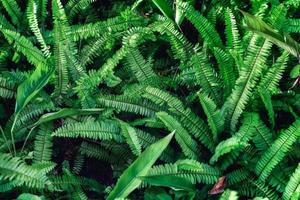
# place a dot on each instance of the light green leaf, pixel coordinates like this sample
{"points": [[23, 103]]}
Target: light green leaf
{"points": [[283, 40], [164, 7], [295, 72], [32, 85], [27, 196], [128, 181], [175, 182], [65, 112]]}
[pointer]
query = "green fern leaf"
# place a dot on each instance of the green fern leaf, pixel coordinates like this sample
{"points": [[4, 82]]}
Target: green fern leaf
{"points": [[214, 116], [191, 121], [43, 145], [237, 101], [131, 138], [25, 46], [12, 168], [277, 151], [270, 80], [126, 104], [33, 23], [90, 129], [205, 28], [293, 185], [13, 10], [207, 77], [266, 99], [187, 143]]}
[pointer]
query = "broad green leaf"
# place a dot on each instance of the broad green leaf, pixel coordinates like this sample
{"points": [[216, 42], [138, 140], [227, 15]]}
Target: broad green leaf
{"points": [[179, 14], [164, 7], [295, 72], [65, 112], [175, 182], [32, 85], [28, 196], [283, 40], [129, 181]]}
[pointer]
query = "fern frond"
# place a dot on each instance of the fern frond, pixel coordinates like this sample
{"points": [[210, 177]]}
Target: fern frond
{"points": [[232, 34], [278, 179], [111, 25], [13, 10], [263, 138], [33, 23], [96, 151], [191, 121], [205, 28], [73, 7], [277, 151], [293, 25], [187, 143], [141, 107], [191, 170], [228, 72], [89, 129], [68, 49], [207, 77], [4, 23], [267, 100], [6, 186], [95, 48], [198, 172], [248, 128], [12, 168], [7, 88], [25, 46], [70, 182], [231, 145], [270, 80], [181, 47], [214, 116], [293, 185], [43, 145], [42, 10], [131, 138], [239, 97], [237, 176], [263, 190], [141, 68]]}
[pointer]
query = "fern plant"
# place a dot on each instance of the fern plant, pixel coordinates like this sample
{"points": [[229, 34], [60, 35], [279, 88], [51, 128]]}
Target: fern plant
{"points": [[161, 99]]}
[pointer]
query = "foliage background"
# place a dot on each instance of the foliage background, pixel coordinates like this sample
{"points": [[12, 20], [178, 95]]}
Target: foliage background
{"points": [[91, 89]]}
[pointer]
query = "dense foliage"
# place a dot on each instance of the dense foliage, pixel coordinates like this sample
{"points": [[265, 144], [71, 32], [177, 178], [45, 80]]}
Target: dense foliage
{"points": [[149, 100]]}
